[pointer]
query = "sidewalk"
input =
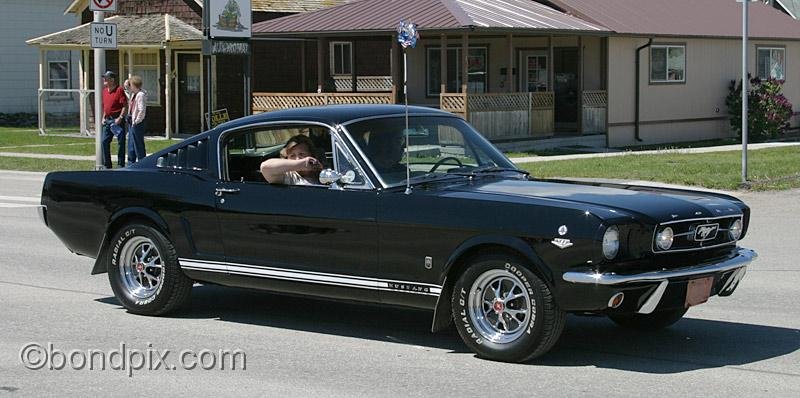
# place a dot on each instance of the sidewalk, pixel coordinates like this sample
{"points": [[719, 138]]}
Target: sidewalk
{"points": [[530, 159], [722, 148]]}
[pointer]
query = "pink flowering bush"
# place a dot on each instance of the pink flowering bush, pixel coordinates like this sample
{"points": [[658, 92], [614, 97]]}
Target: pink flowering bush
{"points": [[768, 109]]}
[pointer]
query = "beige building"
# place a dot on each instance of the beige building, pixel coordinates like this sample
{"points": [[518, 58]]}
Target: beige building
{"points": [[531, 73]]}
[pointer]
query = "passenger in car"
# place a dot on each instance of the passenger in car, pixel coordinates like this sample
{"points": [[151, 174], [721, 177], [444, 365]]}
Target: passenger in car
{"points": [[385, 150], [297, 165]]}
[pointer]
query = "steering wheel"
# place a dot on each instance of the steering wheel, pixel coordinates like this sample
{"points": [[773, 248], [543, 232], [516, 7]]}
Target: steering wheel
{"points": [[443, 160]]}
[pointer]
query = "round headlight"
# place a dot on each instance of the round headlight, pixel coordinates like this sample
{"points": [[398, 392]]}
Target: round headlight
{"points": [[664, 238], [611, 242], [735, 230]]}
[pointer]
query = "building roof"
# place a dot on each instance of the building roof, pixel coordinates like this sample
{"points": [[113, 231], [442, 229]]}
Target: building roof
{"points": [[292, 6], [686, 18], [131, 30], [790, 6], [384, 16]]}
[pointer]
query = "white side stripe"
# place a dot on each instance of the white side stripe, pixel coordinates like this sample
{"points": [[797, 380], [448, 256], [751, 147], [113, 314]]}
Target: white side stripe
{"points": [[312, 277]]}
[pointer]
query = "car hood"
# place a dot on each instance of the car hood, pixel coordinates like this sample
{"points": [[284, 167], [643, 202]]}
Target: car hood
{"points": [[655, 203]]}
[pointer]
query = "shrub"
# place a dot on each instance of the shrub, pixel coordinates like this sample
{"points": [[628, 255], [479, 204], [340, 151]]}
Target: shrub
{"points": [[768, 111]]}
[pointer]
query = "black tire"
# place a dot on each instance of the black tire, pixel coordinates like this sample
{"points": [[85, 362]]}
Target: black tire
{"points": [[496, 335], [649, 322], [138, 246]]}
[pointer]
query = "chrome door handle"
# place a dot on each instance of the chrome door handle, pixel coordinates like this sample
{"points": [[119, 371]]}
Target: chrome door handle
{"points": [[220, 191]]}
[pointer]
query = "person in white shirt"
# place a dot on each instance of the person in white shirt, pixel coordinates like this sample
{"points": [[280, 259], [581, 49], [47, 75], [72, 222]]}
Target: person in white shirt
{"points": [[138, 106], [297, 165]]}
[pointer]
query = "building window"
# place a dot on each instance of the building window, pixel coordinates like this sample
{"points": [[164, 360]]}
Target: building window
{"points": [[147, 65], [341, 57], [668, 64], [477, 71], [58, 77], [771, 63]]}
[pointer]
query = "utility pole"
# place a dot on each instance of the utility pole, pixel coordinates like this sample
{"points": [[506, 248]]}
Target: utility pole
{"points": [[745, 89]]}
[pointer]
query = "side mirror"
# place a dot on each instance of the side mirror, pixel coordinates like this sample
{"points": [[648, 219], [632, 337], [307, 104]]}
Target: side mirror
{"points": [[333, 177]]}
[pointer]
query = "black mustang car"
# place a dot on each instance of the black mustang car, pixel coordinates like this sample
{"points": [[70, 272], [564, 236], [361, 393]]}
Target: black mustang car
{"points": [[421, 213]]}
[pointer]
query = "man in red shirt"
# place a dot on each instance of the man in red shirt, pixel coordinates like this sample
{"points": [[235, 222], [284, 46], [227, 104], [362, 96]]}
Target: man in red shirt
{"points": [[115, 107]]}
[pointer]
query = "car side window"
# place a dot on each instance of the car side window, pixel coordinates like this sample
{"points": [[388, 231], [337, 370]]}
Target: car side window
{"points": [[244, 151], [344, 164]]}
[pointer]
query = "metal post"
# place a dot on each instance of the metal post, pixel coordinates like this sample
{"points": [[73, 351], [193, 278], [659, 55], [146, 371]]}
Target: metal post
{"points": [[207, 86], [99, 67], [745, 86]]}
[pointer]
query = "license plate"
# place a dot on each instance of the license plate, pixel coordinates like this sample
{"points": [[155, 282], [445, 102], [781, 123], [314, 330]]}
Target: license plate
{"points": [[698, 290]]}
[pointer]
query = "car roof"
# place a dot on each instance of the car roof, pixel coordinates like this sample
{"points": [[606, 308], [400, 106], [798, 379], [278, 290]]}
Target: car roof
{"points": [[331, 114]]}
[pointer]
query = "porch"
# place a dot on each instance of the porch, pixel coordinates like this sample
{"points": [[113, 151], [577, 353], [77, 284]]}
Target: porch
{"points": [[515, 80]]}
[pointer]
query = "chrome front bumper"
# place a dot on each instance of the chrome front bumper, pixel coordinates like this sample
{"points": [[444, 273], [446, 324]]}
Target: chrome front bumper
{"points": [[739, 263]]}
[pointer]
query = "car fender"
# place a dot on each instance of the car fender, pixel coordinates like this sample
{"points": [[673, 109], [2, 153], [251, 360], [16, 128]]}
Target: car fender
{"points": [[441, 313], [113, 223]]}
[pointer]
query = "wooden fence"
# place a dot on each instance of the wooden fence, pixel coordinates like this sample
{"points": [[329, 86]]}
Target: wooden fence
{"points": [[504, 115], [265, 102], [367, 84]]}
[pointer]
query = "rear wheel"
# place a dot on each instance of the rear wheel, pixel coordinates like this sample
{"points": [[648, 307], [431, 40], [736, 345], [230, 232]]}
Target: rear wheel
{"points": [[503, 311], [144, 271], [649, 322]]}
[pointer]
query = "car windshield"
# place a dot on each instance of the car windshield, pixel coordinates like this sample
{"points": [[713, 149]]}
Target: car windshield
{"points": [[438, 147]]}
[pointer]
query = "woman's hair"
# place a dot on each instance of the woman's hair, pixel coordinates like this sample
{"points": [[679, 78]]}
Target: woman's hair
{"points": [[298, 140], [136, 80]]}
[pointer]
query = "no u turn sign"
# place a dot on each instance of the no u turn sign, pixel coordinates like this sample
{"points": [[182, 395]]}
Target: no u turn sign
{"points": [[104, 35], [103, 5]]}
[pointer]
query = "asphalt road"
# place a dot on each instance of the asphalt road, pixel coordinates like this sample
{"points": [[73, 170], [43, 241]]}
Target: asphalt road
{"points": [[744, 345]]}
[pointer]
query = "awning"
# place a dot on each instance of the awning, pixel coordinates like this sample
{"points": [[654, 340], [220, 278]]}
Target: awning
{"points": [[384, 16], [132, 30]]}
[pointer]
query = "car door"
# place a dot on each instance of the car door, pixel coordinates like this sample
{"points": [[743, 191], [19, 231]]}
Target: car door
{"points": [[316, 240]]}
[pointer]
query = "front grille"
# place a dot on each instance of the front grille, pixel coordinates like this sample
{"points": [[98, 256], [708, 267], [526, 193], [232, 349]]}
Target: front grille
{"points": [[697, 234]]}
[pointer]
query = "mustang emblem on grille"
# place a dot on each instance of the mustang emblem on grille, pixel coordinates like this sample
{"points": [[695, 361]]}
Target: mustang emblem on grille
{"points": [[705, 232]]}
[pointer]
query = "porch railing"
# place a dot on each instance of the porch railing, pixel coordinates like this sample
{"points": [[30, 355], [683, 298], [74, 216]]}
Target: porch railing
{"points": [[595, 111], [504, 115], [367, 84], [265, 102]]}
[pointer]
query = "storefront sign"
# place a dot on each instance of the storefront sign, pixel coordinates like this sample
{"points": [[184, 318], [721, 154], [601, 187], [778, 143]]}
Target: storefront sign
{"points": [[216, 47], [230, 18]]}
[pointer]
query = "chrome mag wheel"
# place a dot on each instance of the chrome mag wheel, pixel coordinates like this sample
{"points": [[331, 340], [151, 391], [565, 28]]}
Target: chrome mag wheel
{"points": [[141, 267], [499, 306]]}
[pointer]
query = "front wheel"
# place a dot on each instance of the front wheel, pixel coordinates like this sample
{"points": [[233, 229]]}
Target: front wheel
{"points": [[504, 312], [649, 322], [144, 271]]}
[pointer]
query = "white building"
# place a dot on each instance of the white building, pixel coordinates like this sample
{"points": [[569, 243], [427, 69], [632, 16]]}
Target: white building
{"points": [[19, 64]]}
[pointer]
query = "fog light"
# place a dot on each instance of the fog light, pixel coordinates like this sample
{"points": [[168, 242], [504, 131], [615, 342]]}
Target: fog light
{"points": [[664, 238], [735, 230], [616, 300]]}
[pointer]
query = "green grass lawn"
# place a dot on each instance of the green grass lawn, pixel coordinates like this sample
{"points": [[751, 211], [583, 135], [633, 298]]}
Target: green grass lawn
{"points": [[776, 168], [31, 164], [29, 141]]}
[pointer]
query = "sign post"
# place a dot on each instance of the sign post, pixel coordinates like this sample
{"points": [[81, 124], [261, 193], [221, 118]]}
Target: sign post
{"points": [[99, 7]]}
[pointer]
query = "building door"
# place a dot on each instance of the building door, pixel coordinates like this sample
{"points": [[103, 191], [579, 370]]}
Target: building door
{"points": [[189, 86], [533, 65], [565, 86]]}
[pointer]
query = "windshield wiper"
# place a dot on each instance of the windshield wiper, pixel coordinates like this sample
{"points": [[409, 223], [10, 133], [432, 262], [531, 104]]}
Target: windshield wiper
{"points": [[495, 169]]}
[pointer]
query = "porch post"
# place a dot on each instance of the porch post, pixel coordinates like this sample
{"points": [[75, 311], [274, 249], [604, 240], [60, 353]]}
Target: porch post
{"points": [[303, 66], [550, 63], [321, 43], [443, 66], [395, 69], [81, 86], [510, 70], [168, 91], [130, 63], [580, 84], [40, 96], [464, 62], [353, 72]]}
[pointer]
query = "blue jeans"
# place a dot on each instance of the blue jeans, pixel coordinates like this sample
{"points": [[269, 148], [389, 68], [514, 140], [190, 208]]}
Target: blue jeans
{"points": [[108, 136], [136, 149]]}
